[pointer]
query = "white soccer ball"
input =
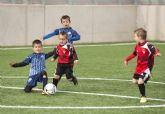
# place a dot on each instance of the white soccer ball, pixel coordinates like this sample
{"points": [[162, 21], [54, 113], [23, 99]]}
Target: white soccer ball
{"points": [[50, 89]]}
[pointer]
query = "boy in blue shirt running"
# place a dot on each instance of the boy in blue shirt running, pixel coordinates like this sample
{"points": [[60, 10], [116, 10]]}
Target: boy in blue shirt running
{"points": [[72, 34]]}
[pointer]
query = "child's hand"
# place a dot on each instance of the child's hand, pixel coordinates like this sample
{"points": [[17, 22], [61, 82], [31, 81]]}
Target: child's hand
{"points": [[12, 64], [158, 54], [42, 37], [76, 62], [52, 59], [125, 62], [150, 75]]}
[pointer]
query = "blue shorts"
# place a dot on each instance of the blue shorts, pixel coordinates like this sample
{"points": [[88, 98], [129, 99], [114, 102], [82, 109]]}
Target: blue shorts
{"points": [[32, 80]]}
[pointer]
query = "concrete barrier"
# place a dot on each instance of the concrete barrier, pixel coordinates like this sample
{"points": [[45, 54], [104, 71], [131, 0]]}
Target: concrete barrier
{"points": [[21, 24]]}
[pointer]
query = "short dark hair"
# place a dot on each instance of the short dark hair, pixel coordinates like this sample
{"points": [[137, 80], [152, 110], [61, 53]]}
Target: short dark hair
{"points": [[140, 32], [64, 34], [65, 17], [36, 42]]}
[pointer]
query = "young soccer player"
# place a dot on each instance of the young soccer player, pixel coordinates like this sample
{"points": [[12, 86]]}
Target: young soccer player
{"points": [[72, 34], [38, 69], [145, 61], [66, 54]]}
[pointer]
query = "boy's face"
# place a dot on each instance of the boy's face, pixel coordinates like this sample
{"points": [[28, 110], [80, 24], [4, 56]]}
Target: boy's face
{"points": [[137, 38], [62, 39], [65, 22], [37, 48]]}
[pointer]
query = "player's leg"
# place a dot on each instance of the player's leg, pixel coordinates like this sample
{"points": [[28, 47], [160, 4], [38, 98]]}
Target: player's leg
{"points": [[138, 79], [30, 84], [135, 79], [149, 73], [70, 76], [143, 78], [59, 72], [141, 86], [142, 90], [28, 89], [44, 78], [56, 79]]}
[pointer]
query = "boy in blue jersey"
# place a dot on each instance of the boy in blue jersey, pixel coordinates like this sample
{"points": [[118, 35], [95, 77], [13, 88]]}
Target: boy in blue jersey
{"points": [[37, 71], [72, 34]]}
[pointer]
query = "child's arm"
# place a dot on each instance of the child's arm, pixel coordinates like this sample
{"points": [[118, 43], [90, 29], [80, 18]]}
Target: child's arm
{"points": [[55, 55], [75, 36], [157, 52], [22, 64], [56, 32], [51, 53], [131, 56], [75, 57], [154, 50]]}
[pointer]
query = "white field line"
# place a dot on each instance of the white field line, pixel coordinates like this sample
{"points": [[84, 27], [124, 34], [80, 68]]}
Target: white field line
{"points": [[94, 45], [99, 79], [87, 93], [81, 107]]}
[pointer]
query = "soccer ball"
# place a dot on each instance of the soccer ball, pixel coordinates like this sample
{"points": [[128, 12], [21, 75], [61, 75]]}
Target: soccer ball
{"points": [[50, 89]]}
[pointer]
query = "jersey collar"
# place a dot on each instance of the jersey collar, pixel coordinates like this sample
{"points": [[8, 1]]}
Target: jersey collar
{"points": [[142, 44]]}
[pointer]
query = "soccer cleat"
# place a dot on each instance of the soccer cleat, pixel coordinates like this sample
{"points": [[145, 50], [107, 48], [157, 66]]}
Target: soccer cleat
{"points": [[75, 81], [143, 100]]}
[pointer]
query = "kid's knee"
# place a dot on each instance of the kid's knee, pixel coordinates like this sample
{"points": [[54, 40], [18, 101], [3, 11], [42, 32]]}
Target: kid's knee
{"points": [[44, 73], [140, 81], [56, 77], [134, 81], [44, 76]]}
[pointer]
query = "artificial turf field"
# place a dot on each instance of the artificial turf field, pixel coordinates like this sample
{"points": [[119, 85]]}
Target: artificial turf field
{"points": [[98, 91]]}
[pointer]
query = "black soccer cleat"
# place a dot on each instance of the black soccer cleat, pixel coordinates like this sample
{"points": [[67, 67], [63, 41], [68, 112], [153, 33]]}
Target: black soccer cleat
{"points": [[75, 81]]}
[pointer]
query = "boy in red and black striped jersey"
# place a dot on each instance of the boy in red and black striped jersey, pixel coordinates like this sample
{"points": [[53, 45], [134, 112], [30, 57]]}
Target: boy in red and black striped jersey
{"points": [[67, 57], [145, 61]]}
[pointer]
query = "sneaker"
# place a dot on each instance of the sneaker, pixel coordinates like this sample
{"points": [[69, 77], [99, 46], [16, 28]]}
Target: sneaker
{"points": [[143, 100]]}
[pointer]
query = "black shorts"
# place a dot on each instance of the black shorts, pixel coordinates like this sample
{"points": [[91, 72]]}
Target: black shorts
{"points": [[145, 77], [64, 69]]}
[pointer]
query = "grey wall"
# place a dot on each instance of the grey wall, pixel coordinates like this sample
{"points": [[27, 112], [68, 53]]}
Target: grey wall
{"points": [[152, 18], [21, 24], [94, 23], [12, 25]]}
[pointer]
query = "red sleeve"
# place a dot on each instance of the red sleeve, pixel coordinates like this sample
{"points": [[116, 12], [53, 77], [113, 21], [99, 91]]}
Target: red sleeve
{"points": [[132, 55]]}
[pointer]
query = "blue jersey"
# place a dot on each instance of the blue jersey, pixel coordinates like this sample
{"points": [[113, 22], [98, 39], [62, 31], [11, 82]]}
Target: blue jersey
{"points": [[37, 61], [72, 34]]}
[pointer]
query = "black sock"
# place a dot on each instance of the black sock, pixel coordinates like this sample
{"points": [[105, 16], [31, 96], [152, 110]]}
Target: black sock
{"points": [[55, 81], [45, 81], [74, 80], [142, 89]]}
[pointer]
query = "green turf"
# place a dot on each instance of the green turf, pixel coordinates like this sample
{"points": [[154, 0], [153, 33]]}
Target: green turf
{"points": [[95, 62]]}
